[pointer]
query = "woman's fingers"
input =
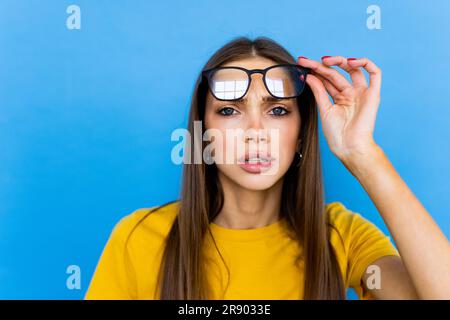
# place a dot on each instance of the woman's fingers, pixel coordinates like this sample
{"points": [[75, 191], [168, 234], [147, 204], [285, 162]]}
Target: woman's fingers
{"points": [[320, 93], [356, 74], [325, 79], [332, 75], [373, 71], [328, 85]]}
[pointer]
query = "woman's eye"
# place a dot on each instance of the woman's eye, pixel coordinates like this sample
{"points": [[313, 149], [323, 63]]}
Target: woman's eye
{"points": [[278, 111], [227, 111]]}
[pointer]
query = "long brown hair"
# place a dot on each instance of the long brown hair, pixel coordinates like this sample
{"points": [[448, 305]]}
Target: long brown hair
{"points": [[182, 275]]}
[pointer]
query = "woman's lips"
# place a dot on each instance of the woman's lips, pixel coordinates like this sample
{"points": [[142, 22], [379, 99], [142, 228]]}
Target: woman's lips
{"points": [[255, 163]]}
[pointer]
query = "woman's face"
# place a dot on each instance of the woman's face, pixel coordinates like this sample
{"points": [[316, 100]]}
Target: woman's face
{"points": [[268, 130]]}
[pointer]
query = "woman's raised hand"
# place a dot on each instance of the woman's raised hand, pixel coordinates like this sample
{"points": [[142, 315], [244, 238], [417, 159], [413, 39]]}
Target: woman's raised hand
{"points": [[348, 120]]}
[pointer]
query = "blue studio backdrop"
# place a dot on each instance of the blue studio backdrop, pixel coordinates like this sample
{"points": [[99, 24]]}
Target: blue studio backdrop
{"points": [[90, 92]]}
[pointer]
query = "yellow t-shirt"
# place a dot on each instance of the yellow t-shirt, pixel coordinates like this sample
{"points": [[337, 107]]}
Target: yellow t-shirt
{"points": [[262, 262]]}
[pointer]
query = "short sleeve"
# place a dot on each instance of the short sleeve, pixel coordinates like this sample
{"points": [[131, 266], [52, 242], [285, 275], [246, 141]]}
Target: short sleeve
{"points": [[114, 276], [364, 243]]}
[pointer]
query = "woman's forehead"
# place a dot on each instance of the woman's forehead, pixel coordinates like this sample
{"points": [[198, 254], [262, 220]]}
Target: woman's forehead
{"points": [[251, 63]]}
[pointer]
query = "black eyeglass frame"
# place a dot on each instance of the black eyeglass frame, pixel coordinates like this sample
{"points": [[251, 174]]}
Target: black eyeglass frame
{"points": [[208, 73]]}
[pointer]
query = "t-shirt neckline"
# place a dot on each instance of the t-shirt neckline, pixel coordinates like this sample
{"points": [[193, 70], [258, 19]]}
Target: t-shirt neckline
{"points": [[260, 233]]}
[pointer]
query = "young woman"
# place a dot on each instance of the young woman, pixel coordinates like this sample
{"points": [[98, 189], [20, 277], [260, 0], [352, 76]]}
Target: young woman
{"points": [[238, 232]]}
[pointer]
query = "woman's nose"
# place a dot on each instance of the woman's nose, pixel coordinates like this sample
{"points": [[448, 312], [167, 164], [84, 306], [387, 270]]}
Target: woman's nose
{"points": [[255, 120], [256, 135], [255, 125]]}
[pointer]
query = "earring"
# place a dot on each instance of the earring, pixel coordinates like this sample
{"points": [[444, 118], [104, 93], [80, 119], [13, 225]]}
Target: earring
{"points": [[298, 150]]}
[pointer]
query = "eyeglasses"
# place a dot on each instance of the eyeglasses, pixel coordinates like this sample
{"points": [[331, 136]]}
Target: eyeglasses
{"points": [[282, 81]]}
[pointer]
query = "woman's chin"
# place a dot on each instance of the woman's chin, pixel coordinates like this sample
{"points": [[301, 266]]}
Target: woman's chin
{"points": [[252, 179], [256, 182]]}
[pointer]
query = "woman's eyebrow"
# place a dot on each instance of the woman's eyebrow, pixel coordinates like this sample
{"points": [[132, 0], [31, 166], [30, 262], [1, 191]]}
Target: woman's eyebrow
{"points": [[264, 99]]}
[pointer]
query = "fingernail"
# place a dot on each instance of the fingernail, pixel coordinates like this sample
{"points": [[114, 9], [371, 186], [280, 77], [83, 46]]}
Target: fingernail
{"points": [[351, 58], [302, 57], [324, 57]]}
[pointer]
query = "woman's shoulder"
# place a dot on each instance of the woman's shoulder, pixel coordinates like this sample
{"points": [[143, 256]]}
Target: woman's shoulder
{"points": [[351, 229], [131, 257], [148, 222], [341, 217], [345, 223], [357, 243]]}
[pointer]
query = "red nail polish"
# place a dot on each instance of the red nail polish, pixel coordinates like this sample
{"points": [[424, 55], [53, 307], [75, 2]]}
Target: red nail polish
{"points": [[302, 57], [324, 57], [351, 58]]}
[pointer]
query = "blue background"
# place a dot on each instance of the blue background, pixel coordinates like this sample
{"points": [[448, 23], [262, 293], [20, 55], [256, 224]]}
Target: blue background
{"points": [[86, 115]]}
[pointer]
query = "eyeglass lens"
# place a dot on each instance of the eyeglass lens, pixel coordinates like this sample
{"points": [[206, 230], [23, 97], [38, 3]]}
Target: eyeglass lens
{"points": [[282, 82]]}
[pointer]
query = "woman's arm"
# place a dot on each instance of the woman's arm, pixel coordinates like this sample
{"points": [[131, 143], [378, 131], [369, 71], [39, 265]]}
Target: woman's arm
{"points": [[395, 282], [348, 123], [424, 249]]}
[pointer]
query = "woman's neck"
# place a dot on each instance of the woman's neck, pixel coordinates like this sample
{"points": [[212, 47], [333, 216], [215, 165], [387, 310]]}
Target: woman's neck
{"points": [[248, 209]]}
